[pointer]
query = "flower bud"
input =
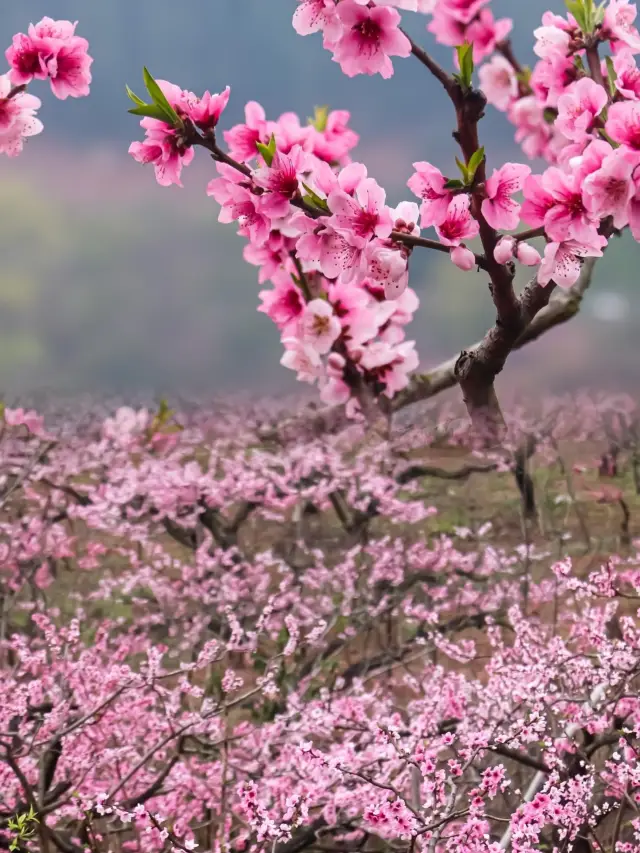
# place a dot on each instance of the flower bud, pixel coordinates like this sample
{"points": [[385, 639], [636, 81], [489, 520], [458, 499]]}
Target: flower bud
{"points": [[503, 252], [527, 255], [463, 258]]}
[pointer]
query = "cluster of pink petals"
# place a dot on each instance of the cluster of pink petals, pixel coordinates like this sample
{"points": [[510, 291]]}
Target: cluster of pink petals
{"points": [[51, 49], [165, 146], [18, 119], [455, 22], [362, 37]]}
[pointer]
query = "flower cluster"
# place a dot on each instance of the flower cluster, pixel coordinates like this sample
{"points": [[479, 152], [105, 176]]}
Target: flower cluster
{"points": [[49, 50]]}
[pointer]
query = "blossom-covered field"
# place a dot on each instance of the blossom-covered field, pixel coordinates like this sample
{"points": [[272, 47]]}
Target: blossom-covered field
{"points": [[210, 637]]}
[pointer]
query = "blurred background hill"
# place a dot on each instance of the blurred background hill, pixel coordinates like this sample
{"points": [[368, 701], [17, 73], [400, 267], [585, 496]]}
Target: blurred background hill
{"points": [[108, 281]]}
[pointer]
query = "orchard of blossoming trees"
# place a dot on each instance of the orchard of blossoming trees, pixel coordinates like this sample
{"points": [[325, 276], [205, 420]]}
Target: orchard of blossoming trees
{"points": [[214, 637]]}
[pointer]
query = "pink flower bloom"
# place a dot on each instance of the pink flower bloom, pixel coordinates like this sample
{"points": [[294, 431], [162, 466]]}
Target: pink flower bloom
{"points": [[281, 179], [241, 139], [29, 419], [362, 218], [390, 365], [607, 191], [51, 49], [335, 391], [484, 32], [164, 145], [498, 81], [532, 131], [463, 258], [562, 261], [319, 326], [69, 71], [627, 80], [461, 10], [325, 249], [554, 200], [499, 209], [389, 267], [618, 23], [370, 37], [352, 306], [458, 224], [302, 358], [623, 123], [582, 102], [551, 41], [334, 143], [405, 217], [314, 16], [284, 304], [239, 203], [428, 184], [17, 118], [205, 112]]}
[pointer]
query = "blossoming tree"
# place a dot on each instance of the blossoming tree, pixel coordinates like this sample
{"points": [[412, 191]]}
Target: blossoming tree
{"points": [[187, 657]]}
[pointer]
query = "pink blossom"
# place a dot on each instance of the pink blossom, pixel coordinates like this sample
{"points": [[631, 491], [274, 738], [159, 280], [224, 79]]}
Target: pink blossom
{"points": [[17, 118], [562, 261], [325, 249], [555, 200], [428, 183], [361, 218], [334, 143], [390, 365], [319, 326], [627, 80], [618, 23], [29, 419], [283, 304], [458, 224], [281, 178], [463, 258], [371, 36], [205, 112], [532, 131], [582, 102], [239, 203], [551, 41], [499, 209], [51, 49], [484, 32], [405, 218], [623, 123], [608, 190], [303, 358], [242, 138], [164, 146], [499, 82], [312, 16]]}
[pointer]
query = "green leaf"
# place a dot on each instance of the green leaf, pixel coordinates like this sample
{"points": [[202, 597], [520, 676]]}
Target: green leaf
{"points": [[136, 100], [579, 12], [149, 110], [474, 162], [550, 115], [267, 151], [319, 120], [611, 76], [314, 199], [453, 184], [158, 97], [465, 62], [463, 170]]}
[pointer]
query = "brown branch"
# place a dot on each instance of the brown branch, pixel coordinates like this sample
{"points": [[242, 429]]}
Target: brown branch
{"points": [[416, 471], [564, 305]]}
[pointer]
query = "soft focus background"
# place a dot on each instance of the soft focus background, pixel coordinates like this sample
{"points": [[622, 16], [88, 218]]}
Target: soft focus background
{"points": [[111, 283]]}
